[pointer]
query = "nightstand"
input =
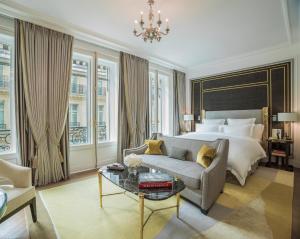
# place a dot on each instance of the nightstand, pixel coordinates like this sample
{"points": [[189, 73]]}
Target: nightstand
{"points": [[280, 149]]}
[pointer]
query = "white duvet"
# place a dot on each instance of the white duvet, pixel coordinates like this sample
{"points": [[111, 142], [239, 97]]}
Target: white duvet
{"points": [[243, 152]]}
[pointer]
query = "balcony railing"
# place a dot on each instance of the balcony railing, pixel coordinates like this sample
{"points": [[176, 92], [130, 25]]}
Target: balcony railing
{"points": [[79, 135], [5, 140]]}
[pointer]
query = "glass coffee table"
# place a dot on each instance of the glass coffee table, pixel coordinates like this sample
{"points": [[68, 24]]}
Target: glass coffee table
{"points": [[128, 181], [3, 202]]}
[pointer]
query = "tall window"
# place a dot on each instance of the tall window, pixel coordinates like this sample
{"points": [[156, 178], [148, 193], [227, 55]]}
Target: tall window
{"points": [[106, 73], [79, 102], [159, 102], [7, 136]]}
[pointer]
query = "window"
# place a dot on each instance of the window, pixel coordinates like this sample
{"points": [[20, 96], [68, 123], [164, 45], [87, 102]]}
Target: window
{"points": [[73, 115], [7, 122], [106, 73], [79, 102], [159, 102]]}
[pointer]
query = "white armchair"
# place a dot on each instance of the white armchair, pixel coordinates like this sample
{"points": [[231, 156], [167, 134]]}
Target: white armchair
{"points": [[19, 189]]}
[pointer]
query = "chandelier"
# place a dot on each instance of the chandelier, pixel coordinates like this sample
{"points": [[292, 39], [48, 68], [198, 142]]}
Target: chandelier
{"points": [[153, 30]]}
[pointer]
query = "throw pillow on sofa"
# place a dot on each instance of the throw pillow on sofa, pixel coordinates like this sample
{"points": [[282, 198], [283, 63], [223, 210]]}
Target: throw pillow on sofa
{"points": [[206, 155], [153, 147], [177, 153]]}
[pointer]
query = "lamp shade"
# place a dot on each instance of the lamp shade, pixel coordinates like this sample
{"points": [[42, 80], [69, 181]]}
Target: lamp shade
{"points": [[287, 117], [188, 117]]}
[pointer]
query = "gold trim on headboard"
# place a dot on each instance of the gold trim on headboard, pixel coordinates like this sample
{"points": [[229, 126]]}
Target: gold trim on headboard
{"points": [[202, 115], [265, 118]]}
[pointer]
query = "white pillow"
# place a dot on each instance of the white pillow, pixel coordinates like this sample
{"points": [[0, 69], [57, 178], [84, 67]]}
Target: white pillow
{"points": [[207, 128], [214, 121], [258, 130], [238, 130], [241, 121]]}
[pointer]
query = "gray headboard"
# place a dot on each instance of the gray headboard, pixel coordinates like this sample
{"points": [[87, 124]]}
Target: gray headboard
{"points": [[236, 114], [261, 115]]}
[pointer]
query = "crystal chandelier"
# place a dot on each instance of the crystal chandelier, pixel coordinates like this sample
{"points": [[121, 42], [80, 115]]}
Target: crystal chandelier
{"points": [[153, 30]]}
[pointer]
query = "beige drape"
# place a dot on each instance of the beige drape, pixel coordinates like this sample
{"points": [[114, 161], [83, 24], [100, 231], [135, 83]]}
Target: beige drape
{"points": [[133, 102], [179, 83], [43, 71], [60, 68]]}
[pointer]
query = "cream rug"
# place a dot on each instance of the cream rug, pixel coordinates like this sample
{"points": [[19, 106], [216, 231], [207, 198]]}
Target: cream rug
{"points": [[260, 209]]}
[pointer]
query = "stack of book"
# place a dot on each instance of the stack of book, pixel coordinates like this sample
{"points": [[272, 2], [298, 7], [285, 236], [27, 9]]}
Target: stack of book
{"points": [[155, 180], [278, 153]]}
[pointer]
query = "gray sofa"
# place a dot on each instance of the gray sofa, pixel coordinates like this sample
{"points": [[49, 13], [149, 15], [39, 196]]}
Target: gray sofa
{"points": [[203, 186]]}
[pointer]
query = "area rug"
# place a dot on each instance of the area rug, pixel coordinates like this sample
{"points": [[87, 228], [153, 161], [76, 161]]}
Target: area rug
{"points": [[261, 209]]}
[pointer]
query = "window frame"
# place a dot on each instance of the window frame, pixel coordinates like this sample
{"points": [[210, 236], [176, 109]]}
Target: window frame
{"points": [[157, 71], [89, 94], [10, 39]]}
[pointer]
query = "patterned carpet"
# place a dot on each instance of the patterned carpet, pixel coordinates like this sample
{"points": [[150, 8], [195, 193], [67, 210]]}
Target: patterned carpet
{"points": [[260, 209]]}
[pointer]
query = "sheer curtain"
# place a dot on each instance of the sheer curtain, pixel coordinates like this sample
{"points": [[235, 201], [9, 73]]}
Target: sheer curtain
{"points": [[179, 101]]}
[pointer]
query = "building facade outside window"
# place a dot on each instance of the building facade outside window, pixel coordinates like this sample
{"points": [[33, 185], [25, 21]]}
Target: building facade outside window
{"points": [[7, 121], [160, 109], [79, 102]]}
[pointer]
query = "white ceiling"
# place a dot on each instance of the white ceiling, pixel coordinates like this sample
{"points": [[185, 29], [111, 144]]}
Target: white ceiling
{"points": [[201, 30]]}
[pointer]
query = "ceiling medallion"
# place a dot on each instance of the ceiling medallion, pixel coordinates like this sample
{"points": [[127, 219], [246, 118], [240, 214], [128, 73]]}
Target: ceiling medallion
{"points": [[153, 30]]}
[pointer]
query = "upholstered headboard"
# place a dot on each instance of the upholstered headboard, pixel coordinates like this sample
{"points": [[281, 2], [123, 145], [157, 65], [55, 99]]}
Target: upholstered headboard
{"points": [[236, 114], [261, 115]]}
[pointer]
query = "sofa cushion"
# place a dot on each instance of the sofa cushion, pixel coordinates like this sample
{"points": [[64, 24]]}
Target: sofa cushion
{"points": [[177, 153], [16, 197], [189, 172], [192, 146]]}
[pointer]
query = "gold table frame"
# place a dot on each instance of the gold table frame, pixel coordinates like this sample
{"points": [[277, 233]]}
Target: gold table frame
{"points": [[141, 201]]}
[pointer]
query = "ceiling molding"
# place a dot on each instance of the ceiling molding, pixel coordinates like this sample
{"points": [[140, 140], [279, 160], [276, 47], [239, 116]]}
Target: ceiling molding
{"points": [[265, 56], [286, 18], [15, 10]]}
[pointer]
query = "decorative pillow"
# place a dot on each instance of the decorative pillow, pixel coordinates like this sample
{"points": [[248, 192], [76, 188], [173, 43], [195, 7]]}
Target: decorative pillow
{"points": [[153, 147], [214, 121], [258, 130], [206, 155], [207, 128], [177, 153], [238, 130], [241, 121]]}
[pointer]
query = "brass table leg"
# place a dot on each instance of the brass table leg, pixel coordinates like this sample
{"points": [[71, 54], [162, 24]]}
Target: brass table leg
{"points": [[177, 204], [100, 186], [141, 201]]}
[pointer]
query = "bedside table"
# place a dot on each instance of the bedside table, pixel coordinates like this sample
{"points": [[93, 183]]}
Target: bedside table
{"points": [[280, 148]]}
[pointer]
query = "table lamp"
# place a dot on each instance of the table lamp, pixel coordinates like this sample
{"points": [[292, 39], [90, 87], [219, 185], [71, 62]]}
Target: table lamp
{"points": [[287, 117], [188, 118]]}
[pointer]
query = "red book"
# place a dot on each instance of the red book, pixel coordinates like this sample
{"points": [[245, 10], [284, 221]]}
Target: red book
{"points": [[143, 185]]}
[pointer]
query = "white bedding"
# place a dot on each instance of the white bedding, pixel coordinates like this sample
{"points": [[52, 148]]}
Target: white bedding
{"points": [[243, 151]]}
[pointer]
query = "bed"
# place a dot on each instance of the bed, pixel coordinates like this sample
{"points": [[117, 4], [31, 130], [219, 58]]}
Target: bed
{"points": [[244, 151]]}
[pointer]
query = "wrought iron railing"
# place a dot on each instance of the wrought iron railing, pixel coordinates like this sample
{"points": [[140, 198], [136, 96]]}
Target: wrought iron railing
{"points": [[79, 135], [5, 140]]}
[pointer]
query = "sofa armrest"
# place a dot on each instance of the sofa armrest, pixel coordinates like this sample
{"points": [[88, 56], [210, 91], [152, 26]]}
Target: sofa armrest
{"points": [[137, 150], [20, 176], [213, 178]]}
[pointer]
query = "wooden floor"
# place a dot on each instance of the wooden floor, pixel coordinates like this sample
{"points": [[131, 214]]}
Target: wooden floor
{"points": [[296, 205], [17, 220]]}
